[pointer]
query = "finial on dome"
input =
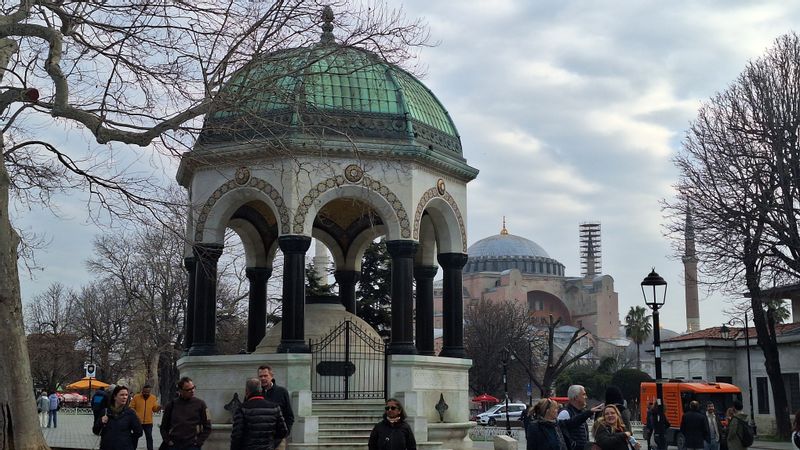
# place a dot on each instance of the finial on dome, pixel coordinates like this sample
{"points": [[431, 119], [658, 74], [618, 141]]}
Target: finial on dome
{"points": [[327, 25], [504, 231]]}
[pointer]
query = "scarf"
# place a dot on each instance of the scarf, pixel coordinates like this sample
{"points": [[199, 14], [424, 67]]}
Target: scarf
{"points": [[394, 421]]}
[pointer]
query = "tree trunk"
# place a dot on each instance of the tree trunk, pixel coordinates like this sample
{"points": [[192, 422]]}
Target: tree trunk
{"points": [[19, 424], [772, 363]]}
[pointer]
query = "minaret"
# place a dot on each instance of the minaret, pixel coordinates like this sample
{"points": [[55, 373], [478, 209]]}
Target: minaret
{"points": [[321, 262], [690, 275]]}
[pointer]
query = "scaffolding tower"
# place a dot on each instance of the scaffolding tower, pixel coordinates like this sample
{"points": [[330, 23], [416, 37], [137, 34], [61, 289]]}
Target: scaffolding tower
{"points": [[591, 254]]}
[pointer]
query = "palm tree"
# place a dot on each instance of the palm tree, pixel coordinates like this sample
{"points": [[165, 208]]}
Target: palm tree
{"points": [[638, 328]]}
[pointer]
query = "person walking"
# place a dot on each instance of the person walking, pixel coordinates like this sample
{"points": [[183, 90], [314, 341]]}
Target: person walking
{"points": [[52, 410], [185, 424], [280, 396], [735, 425], [392, 432], [574, 417], [144, 404], [715, 427], [118, 427], [658, 424], [99, 403], [258, 424], [43, 406], [544, 432], [694, 427], [610, 432]]}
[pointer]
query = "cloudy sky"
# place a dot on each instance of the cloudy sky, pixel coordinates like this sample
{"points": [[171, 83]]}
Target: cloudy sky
{"points": [[571, 110]]}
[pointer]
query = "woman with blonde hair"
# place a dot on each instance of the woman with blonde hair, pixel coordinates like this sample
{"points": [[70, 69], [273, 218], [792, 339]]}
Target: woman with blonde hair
{"points": [[544, 432], [610, 433]]}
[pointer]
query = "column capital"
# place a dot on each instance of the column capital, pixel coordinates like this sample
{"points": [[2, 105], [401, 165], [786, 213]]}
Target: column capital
{"points": [[255, 272], [294, 243], [347, 276], [425, 271], [402, 248], [207, 252], [452, 260]]}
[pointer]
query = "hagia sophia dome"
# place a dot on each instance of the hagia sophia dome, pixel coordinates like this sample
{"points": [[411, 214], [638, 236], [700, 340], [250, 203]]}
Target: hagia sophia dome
{"points": [[506, 251]]}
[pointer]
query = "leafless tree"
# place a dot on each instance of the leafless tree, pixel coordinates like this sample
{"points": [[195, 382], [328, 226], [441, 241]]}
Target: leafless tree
{"points": [[55, 360], [740, 181], [140, 73]]}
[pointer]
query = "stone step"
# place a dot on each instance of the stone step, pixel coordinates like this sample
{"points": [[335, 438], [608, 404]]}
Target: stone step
{"points": [[356, 445]]}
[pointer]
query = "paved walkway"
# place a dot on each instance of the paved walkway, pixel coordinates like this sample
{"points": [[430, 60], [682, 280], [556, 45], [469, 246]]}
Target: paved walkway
{"points": [[75, 432]]}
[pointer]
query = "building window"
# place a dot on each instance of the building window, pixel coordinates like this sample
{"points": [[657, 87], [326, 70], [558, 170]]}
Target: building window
{"points": [[792, 383], [763, 395], [728, 380]]}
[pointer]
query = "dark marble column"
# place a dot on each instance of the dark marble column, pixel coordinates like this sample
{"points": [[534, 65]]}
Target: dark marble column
{"points": [[402, 253], [452, 304], [257, 305], [347, 280], [294, 249], [205, 312], [424, 278], [190, 262]]}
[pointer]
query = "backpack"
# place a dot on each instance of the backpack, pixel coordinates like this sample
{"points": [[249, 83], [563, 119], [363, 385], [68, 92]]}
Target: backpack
{"points": [[746, 434]]}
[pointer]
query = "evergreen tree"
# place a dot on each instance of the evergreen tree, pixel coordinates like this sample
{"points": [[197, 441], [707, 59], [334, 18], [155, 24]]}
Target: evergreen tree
{"points": [[315, 285], [374, 293]]}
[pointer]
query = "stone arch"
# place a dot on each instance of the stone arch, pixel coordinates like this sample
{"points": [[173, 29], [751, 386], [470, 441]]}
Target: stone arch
{"points": [[332, 246], [220, 205], [254, 251], [542, 304], [356, 251], [451, 234], [426, 254], [368, 190]]}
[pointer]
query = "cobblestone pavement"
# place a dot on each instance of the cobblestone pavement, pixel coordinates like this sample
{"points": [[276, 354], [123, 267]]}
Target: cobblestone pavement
{"points": [[75, 432]]}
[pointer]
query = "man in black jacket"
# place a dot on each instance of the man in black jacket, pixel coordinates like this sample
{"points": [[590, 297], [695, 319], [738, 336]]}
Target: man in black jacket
{"points": [[185, 424], [573, 418], [258, 424], [276, 394], [694, 427]]}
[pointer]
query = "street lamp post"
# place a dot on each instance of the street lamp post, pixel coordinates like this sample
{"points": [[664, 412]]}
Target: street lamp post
{"points": [[504, 355], [655, 302], [725, 335]]}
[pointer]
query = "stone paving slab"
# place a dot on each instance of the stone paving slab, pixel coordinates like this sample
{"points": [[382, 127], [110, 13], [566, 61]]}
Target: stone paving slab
{"points": [[75, 432]]}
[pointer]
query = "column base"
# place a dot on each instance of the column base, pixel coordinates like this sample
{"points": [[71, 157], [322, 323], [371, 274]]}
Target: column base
{"points": [[293, 346], [202, 350], [453, 352], [402, 348]]}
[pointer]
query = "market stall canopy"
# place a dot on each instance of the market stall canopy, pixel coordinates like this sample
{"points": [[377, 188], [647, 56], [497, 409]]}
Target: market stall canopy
{"points": [[485, 398], [83, 384]]}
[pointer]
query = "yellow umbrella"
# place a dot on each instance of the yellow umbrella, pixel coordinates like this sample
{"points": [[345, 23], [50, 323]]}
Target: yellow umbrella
{"points": [[83, 383]]}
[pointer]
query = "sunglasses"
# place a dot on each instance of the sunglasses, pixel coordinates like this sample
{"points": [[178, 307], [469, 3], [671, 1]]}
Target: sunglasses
{"points": [[392, 408], [189, 389]]}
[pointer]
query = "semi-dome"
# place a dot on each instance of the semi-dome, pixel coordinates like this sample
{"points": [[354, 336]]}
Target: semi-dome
{"points": [[331, 90], [506, 251]]}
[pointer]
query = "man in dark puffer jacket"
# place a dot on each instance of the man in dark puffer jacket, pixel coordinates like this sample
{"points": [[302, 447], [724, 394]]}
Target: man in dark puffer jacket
{"points": [[258, 424]]}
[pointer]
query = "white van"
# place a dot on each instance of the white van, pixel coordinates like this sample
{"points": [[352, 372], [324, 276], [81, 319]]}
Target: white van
{"points": [[498, 413]]}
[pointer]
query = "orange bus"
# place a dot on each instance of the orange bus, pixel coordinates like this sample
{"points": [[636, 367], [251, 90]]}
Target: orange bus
{"points": [[678, 394]]}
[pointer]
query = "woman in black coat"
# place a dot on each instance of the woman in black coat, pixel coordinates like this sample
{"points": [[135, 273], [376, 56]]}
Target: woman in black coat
{"points": [[610, 432], [118, 426], [392, 433], [544, 432]]}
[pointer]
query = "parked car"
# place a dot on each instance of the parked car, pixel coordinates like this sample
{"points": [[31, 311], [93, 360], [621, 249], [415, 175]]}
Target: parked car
{"points": [[498, 412]]}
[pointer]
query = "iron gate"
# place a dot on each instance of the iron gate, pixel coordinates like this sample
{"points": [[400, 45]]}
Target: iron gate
{"points": [[348, 364]]}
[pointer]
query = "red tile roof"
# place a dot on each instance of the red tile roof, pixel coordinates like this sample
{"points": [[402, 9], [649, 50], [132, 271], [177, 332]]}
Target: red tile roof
{"points": [[735, 332]]}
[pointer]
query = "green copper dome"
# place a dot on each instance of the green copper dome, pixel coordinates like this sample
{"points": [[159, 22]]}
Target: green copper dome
{"points": [[327, 88]]}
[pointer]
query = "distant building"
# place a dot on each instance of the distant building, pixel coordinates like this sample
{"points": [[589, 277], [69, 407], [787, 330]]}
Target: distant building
{"points": [[705, 355], [508, 267]]}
